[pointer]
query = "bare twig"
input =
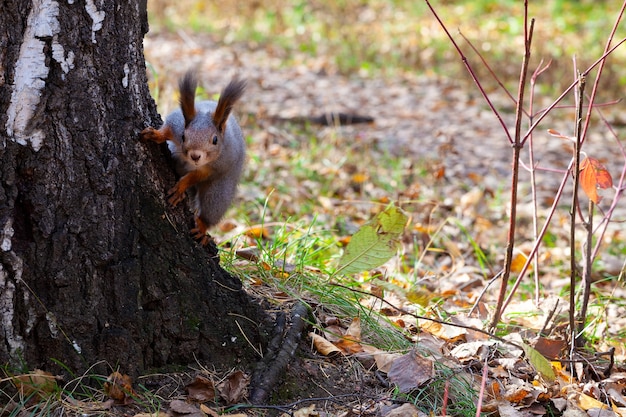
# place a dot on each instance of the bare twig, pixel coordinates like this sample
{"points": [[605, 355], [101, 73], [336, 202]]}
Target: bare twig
{"points": [[471, 72], [571, 87], [573, 209], [532, 170], [517, 148]]}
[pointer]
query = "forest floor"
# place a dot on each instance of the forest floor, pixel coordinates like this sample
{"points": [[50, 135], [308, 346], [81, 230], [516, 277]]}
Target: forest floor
{"points": [[450, 159]]}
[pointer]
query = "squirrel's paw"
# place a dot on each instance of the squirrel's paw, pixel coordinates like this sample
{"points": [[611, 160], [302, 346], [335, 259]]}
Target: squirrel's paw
{"points": [[175, 195], [201, 236], [149, 133], [200, 232]]}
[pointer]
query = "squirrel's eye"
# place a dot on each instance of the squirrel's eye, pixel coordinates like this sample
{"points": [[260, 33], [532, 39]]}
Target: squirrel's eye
{"points": [[182, 138], [215, 140]]}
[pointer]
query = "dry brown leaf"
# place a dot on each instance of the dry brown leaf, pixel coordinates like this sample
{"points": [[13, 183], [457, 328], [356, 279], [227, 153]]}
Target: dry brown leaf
{"points": [[349, 342], [119, 387], [405, 410], [38, 382], [257, 232], [354, 330], [251, 253], [233, 389], [323, 346], [550, 348], [86, 407], [208, 411], [472, 350], [201, 389], [157, 414], [587, 402], [443, 331], [182, 408], [348, 346], [516, 394], [306, 412], [518, 262], [507, 410], [383, 359], [410, 371]]}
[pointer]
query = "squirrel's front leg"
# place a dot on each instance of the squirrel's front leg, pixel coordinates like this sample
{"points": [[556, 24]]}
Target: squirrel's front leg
{"points": [[157, 135], [177, 193]]}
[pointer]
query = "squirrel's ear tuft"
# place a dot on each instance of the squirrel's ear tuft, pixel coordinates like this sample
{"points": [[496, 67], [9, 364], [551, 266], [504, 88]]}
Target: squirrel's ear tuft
{"points": [[230, 95], [187, 86]]}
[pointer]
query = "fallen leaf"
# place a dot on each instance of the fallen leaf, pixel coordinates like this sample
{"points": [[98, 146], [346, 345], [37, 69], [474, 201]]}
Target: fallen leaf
{"points": [[38, 382], [257, 232], [323, 346], [354, 330], [539, 362], [233, 389], [507, 410], [182, 408], [209, 411], [251, 253], [374, 243], [410, 371], [443, 331], [119, 387], [383, 359], [201, 389], [518, 262], [586, 402], [306, 412], [86, 407], [405, 410], [349, 342], [550, 348]]}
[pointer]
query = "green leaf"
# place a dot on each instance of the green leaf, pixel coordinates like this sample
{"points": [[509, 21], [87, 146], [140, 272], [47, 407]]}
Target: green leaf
{"points": [[375, 242], [539, 362]]}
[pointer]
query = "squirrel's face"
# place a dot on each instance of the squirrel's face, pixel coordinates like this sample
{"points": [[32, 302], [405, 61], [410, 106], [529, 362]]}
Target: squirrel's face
{"points": [[201, 146]]}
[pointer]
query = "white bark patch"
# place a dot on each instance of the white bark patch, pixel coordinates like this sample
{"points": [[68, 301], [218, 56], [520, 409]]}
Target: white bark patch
{"points": [[66, 61], [125, 77], [7, 309], [31, 73], [52, 324], [97, 17], [7, 234]]}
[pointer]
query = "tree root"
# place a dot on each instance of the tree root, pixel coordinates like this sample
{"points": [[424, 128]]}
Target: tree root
{"points": [[278, 356]]}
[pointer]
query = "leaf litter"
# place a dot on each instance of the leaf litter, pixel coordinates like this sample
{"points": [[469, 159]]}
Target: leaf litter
{"points": [[453, 161]]}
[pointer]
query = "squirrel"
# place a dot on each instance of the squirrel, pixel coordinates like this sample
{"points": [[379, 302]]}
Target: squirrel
{"points": [[208, 148]]}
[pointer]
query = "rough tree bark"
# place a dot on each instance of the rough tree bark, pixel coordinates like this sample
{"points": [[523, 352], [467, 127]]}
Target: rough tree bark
{"points": [[93, 265]]}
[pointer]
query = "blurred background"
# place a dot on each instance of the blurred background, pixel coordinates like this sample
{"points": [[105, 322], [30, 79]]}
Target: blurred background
{"points": [[387, 37]]}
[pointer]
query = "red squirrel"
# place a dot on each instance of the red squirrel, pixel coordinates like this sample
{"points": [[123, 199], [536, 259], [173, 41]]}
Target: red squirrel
{"points": [[209, 150]]}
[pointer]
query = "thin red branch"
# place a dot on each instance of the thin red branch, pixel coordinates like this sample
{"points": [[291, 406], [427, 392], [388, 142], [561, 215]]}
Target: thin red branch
{"points": [[471, 72]]}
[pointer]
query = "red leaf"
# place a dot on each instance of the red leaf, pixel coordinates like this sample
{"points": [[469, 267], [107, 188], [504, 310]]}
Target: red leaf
{"points": [[594, 175]]}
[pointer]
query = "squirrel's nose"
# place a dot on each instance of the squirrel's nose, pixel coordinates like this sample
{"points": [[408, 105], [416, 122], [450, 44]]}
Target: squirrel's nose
{"points": [[195, 156]]}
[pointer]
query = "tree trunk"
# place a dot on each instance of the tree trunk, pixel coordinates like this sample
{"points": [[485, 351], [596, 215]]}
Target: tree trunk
{"points": [[94, 267]]}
